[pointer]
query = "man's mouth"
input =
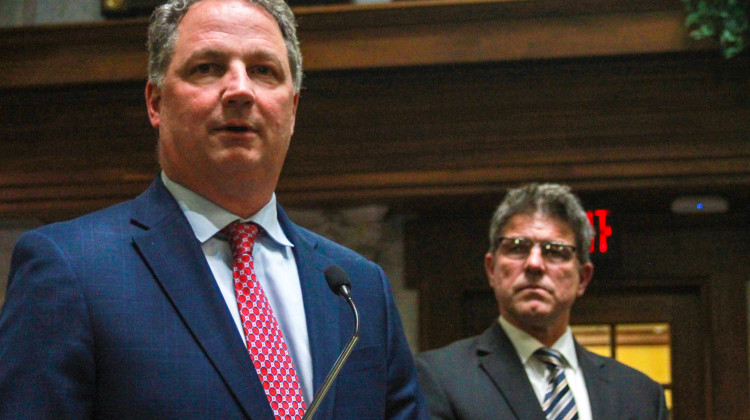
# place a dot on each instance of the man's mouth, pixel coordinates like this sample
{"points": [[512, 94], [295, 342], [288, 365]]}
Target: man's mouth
{"points": [[535, 288], [235, 128]]}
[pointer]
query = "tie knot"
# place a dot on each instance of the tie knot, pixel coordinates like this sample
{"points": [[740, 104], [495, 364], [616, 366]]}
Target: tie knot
{"points": [[242, 237], [550, 357]]}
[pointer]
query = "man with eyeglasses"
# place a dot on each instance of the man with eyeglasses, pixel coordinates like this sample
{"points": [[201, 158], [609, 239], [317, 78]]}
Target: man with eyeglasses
{"points": [[527, 365]]}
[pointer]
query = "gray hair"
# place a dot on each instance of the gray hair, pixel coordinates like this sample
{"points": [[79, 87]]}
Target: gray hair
{"points": [[548, 199], [162, 36]]}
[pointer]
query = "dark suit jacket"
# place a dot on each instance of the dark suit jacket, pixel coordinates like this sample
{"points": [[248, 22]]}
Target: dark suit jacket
{"points": [[482, 378], [117, 315]]}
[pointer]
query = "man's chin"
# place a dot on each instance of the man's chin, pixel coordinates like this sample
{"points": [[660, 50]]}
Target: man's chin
{"points": [[236, 162], [534, 312]]}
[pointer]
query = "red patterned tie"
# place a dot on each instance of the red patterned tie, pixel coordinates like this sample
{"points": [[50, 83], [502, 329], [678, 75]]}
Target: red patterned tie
{"points": [[265, 342]]}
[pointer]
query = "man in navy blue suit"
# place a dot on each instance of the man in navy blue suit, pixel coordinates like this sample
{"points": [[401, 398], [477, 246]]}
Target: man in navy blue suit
{"points": [[130, 312]]}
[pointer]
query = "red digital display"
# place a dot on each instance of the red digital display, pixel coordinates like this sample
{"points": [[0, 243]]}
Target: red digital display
{"points": [[598, 219]]}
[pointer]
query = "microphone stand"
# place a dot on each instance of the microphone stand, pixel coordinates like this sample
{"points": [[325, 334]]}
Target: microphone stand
{"points": [[333, 373]]}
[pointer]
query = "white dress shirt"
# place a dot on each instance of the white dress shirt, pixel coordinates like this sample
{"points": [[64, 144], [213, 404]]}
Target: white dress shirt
{"points": [[536, 370], [275, 269]]}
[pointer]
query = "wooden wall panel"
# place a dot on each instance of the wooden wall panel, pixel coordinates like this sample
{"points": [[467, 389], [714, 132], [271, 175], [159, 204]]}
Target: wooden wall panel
{"points": [[658, 120], [652, 121], [68, 150], [575, 111], [456, 118]]}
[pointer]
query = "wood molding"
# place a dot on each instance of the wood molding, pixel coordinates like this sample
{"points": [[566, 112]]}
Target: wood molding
{"points": [[52, 196], [413, 33]]}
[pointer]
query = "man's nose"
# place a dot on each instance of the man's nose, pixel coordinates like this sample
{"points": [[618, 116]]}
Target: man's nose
{"points": [[535, 260], [239, 90]]}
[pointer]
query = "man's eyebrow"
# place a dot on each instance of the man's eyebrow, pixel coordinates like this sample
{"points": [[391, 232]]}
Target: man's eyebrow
{"points": [[263, 55], [258, 54], [208, 53]]}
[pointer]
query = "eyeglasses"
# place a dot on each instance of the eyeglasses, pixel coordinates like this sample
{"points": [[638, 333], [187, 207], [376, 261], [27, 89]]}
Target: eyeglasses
{"points": [[520, 248]]}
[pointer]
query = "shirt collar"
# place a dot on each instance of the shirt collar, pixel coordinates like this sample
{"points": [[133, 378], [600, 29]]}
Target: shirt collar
{"points": [[526, 345], [206, 218]]}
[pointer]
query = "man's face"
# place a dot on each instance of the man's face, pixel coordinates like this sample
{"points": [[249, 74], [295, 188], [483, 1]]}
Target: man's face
{"points": [[533, 293], [226, 106]]}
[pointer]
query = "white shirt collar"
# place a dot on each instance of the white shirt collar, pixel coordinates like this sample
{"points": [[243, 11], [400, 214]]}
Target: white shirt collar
{"points": [[207, 218], [526, 345]]}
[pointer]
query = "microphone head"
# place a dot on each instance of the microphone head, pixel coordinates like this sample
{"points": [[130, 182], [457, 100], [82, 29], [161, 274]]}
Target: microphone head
{"points": [[337, 278]]}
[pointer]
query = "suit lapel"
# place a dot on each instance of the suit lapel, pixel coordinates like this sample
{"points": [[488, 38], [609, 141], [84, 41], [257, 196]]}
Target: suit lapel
{"points": [[323, 323], [167, 244], [598, 385], [499, 359]]}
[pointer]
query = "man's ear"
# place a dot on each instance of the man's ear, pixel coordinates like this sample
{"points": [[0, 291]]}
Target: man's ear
{"points": [[489, 267], [294, 111], [585, 274], [153, 103]]}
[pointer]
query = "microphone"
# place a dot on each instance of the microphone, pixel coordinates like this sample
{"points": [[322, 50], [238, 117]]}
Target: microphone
{"points": [[339, 283]]}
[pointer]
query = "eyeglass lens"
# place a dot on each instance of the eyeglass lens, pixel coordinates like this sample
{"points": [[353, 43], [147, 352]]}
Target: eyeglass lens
{"points": [[520, 248]]}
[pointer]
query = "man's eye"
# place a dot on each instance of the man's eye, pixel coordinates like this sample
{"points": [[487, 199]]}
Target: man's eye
{"points": [[555, 249], [203, 68], [262, 71], [516, 246], [559, 252], [519, 248]]}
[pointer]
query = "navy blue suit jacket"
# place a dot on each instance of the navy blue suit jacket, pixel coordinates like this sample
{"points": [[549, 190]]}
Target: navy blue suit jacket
{"points": [[117, 315], [482, 377]]}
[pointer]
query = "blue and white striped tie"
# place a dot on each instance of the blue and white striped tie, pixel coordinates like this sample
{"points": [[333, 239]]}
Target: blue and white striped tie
{"points": [[558, 399]]}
